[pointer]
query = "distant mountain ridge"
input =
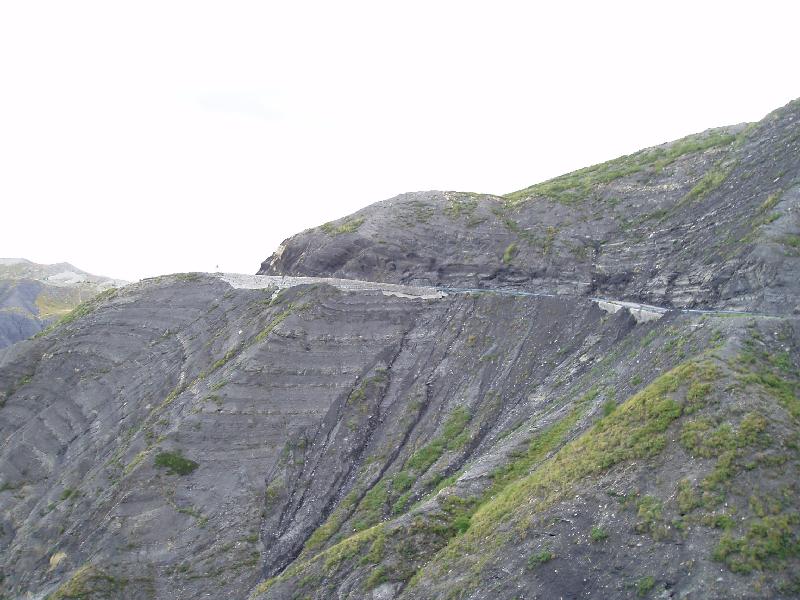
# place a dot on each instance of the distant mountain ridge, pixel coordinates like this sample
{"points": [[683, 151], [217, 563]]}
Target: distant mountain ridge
{"points": [[32, 295]]}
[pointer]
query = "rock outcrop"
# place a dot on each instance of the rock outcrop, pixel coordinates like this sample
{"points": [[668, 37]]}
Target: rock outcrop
{"points": [[709, 220]]}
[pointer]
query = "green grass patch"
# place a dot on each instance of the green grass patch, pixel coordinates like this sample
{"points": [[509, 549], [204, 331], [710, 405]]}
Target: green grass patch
{"points": [[80, 311], [770, 203], [645, 585], [534, 560], [349, 225], [463, 206], [453, 437], [765, 545], [175, 463], [650, 512], [539, 447], [280, 318], [325, 531], [785, 391], [509, 253], [576, 186], [686, 497], [90, 582], [708, 183], [791, 242], [609, 406], [378, 576], [372, 506]]}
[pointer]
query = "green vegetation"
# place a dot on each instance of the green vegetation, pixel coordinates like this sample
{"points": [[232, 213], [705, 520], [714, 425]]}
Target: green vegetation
{"points": [[471, 529], [402, 481], [598, 534], [89, 582], [7, 486], [709, 182], [376, 550], [766, 544], [259, 337], [453, 437], [651, 520], [218, 385], [175, 463], [280, 318], [371, 508], [636, 430], [330, 559], [57, 302], [462, 206], [325, 531], [547, 440], [422, 211], [83, 309], [10, 391], [686, 497], [274, 491], [187, 276], [697, 395], [392, 493], [349, 225], [645, 585], [221, 362], [769, 371], [576, 186], [770, 203], [791, 242], [510, 253], [609, 406], [376, 577], [534, 560], [703, 438]]}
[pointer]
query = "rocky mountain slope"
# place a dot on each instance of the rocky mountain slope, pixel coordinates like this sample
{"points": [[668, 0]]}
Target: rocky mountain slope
{"points": [[495, 428], [33, 296], [709, 220]]}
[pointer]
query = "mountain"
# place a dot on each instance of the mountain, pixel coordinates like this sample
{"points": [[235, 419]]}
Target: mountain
{"points": [[588, 388], [33, 296], [704, 221]]}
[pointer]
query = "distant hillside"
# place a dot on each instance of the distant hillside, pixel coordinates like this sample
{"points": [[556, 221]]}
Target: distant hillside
{"points": [[32, 296]]}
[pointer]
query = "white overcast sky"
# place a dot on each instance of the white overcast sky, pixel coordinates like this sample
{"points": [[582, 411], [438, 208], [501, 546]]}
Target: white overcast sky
{"points": [[140, 138]]}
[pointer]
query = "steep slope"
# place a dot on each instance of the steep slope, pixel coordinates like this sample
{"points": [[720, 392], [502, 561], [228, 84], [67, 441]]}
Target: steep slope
{"points": [[687, 489], [258, 437], [32, 296], [709, 220]]}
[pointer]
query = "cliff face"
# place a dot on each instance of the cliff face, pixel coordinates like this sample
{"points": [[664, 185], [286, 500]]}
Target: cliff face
{"points": [[200, 436], [710, 220], [33, 296]]}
